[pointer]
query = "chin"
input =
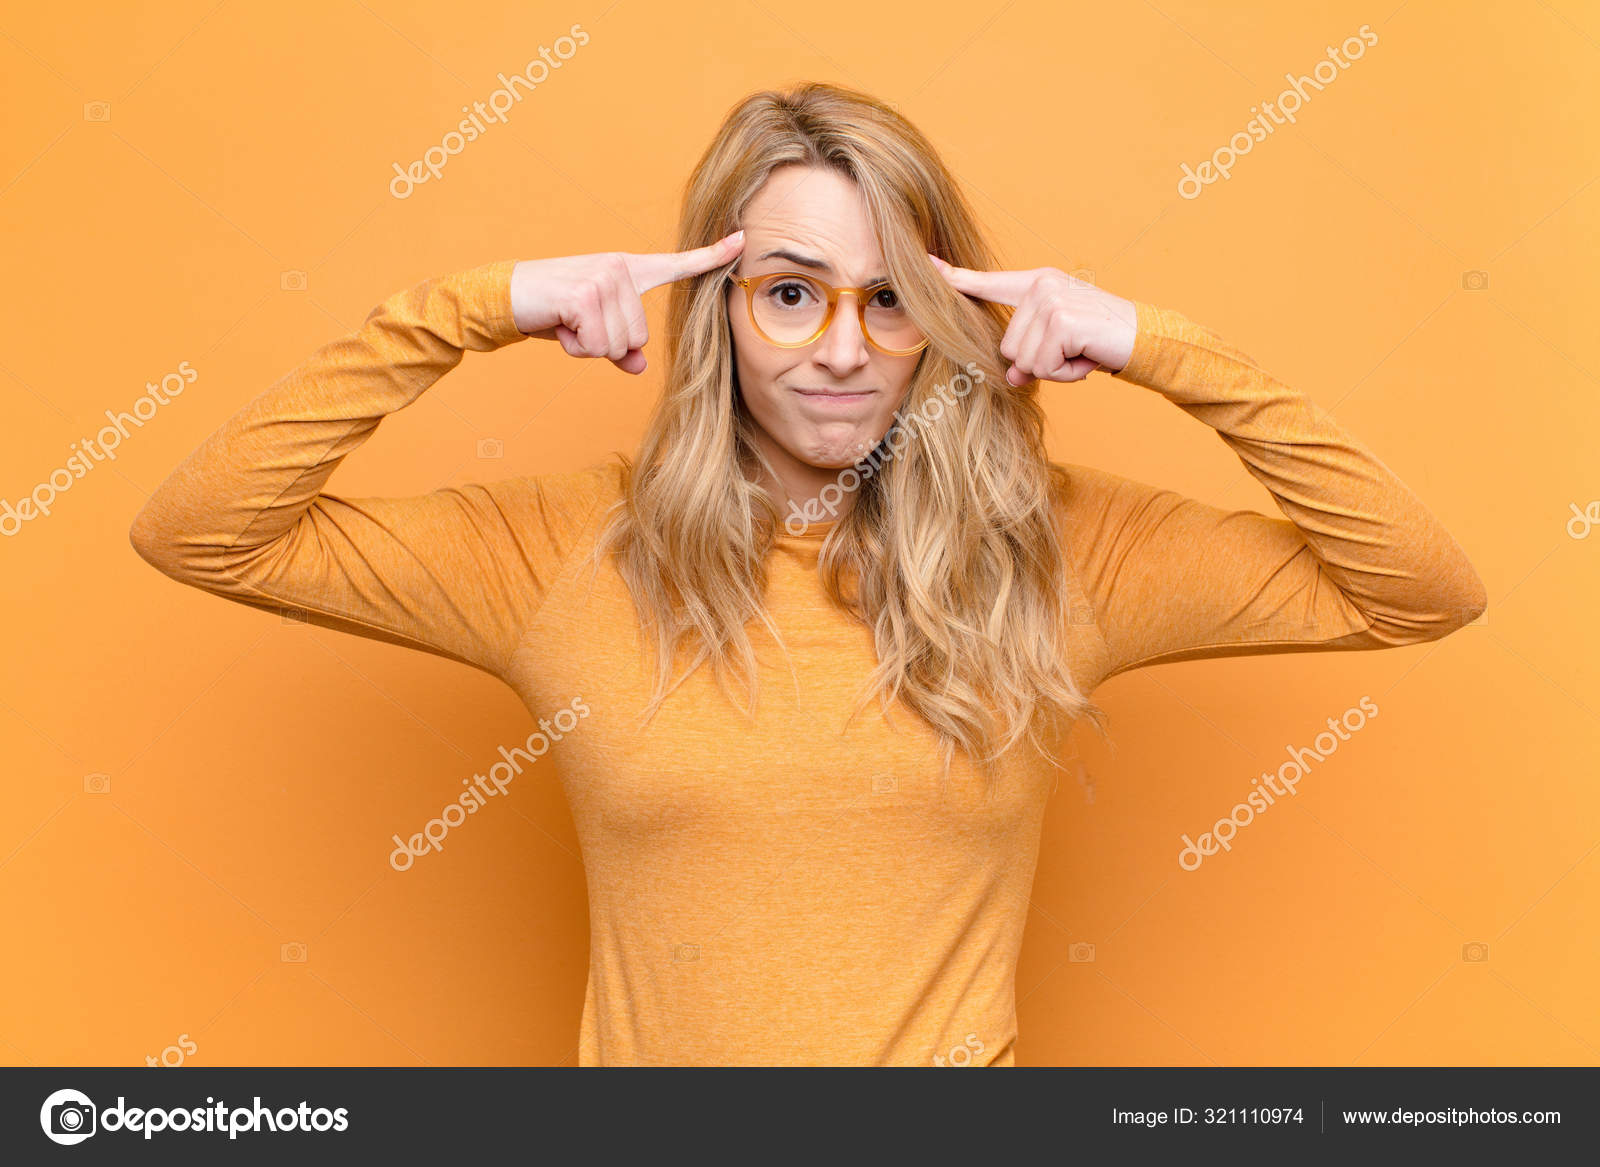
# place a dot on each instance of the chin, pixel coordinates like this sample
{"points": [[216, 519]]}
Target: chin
{"points": [[836, 454]]}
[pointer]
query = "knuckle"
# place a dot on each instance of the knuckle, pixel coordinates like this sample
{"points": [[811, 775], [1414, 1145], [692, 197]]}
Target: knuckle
{"points": [[1056, 281]]}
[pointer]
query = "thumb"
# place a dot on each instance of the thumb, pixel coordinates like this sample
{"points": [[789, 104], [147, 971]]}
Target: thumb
{"points": [[633, 362]]}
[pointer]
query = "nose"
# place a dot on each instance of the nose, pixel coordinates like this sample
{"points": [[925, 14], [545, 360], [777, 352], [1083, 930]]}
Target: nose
{"points": [[842, 348]]}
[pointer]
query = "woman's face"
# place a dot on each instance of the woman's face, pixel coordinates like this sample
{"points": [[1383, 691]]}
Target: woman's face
{"points": [[814, 220]]}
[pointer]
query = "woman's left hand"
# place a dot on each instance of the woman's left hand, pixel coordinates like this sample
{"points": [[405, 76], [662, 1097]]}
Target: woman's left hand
{"points": [[1063, 328]]}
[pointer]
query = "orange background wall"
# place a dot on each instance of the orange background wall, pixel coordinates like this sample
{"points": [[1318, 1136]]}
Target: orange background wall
{"points": [[255, 770]]}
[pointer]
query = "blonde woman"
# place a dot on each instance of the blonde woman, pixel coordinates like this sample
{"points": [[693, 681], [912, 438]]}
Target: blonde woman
{"points": [[806, 663]]}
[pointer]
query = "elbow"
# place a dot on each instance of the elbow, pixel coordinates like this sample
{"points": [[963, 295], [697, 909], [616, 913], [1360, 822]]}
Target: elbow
{"points": [[143, 538], [1476, 602], [153, 542], [1468, 603], [150, 550], [1422, 620], [180, 550]]}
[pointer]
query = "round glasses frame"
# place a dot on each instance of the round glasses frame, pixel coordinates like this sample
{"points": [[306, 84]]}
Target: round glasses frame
{"points": [[862, 295]]}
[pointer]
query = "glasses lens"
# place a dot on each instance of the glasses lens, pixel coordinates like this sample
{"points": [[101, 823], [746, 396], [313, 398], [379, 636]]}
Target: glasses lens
{"points": [[788, 309], [888, 323]]}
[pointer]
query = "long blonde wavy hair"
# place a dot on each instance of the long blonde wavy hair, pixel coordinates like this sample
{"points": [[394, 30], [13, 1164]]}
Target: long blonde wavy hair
{"points": [[950, 553]]}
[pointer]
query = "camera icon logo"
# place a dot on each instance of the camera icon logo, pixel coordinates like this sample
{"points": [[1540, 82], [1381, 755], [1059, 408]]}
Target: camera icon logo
{"points": [[292, 953], [1475, 952], [1081, 954], [292, 281], [97, 783], [491, 448], [685, 953], [97, 111], [67, 1117], [1474, 281]]}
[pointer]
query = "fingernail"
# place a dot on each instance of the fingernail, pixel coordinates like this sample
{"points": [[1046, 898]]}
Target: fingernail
{"points": [[737, 236]]}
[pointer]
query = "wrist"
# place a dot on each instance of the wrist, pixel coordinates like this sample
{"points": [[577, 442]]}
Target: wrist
{"points": [[1144, 344], [510, 310], [1124, 334]]}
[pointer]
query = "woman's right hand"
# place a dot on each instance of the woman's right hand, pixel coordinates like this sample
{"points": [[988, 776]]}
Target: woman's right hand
{"points": [[590, 303]]}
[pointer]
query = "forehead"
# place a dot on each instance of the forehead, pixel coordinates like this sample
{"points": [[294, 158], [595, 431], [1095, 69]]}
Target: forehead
{"points": [[814, 212]]}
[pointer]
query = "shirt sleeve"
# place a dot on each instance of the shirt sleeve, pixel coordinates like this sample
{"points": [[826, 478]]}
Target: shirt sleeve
{"points": [[458, 572], [1359, 562]]}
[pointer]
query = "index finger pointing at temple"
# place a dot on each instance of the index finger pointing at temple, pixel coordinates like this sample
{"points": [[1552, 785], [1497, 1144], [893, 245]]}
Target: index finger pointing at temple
{"points": [[1003, 287], [663, 267]]}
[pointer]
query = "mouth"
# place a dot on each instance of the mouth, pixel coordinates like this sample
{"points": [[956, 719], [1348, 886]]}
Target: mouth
{"points": [[834, 394]]}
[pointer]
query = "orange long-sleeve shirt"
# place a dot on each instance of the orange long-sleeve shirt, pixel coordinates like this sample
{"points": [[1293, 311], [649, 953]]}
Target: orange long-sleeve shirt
{"points": [[789, 890]]}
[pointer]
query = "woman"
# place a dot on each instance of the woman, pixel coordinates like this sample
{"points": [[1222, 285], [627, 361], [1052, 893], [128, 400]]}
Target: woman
{"points": [[843, 493]]}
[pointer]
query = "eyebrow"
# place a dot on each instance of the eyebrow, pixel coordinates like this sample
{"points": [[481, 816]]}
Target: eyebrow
{"points": [[811, 262]]}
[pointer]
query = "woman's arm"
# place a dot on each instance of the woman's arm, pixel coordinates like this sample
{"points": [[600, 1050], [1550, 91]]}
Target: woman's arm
{"points": [[457, 572], [1359, 563]]}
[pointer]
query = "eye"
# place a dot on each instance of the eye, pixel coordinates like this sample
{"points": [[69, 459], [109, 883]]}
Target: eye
{"points": [[887, 298], [790, 293]]}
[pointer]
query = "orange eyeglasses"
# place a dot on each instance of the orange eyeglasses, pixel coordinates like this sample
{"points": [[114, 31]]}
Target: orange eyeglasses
{"points": [[792, 309]]}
